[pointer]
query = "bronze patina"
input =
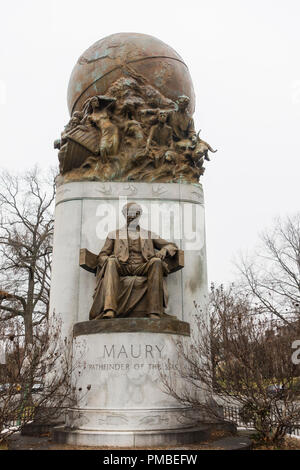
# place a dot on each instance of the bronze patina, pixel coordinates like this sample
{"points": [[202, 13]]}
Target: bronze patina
{"points": [[106, 61], [166, 325], [130, 271], [131, 100]]}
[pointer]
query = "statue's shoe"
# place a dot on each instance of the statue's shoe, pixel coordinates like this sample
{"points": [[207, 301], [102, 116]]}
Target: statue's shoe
{"points": [[154, 316], [109, 314]]}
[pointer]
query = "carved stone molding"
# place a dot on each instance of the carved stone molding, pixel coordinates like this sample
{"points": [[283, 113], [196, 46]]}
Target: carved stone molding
{"points": [[138, 191]]}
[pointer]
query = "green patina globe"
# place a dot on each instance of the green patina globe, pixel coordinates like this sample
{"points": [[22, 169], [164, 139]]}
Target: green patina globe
{"points": [[111, 57]]}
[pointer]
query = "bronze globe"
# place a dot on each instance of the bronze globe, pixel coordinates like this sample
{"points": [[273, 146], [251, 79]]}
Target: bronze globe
{"points": [[106, 61]]}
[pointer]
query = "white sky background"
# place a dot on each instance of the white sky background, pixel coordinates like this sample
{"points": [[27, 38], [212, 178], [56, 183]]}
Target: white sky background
{"points": [[243, 57]]}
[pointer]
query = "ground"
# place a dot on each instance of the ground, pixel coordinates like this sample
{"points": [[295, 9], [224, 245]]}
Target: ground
{"points": [[219, 441]]}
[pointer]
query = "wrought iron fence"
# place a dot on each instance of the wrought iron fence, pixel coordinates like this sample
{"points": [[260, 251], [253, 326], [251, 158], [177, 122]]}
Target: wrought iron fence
{"points": [[21, 417], [232, 413]]}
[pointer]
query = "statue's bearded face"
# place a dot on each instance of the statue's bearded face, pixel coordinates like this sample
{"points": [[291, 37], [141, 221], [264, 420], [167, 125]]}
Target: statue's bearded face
{"points": [[132, 214]]}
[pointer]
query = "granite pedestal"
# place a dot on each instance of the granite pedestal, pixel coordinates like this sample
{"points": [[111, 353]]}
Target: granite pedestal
{"points": [[118, 363]]}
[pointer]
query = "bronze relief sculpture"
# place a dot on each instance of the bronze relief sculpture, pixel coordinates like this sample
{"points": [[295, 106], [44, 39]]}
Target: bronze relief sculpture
{"points": [[130, 271], [132, 133]]}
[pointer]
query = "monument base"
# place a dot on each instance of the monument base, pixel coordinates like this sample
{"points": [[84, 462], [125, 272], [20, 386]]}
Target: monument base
{"points": [[118, 363], [120, 367], [140, 439]]}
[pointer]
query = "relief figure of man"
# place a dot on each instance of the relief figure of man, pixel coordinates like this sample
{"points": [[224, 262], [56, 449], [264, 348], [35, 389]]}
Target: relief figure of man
{"points": [[181, 122], [131, 269]]}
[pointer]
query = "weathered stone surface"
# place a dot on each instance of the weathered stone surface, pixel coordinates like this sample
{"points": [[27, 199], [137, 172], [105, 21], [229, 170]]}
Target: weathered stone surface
{"points": [[133, 439], [188, 439], [137, 191]]}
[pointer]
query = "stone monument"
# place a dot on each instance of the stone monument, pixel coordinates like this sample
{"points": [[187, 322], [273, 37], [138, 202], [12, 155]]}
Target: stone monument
{"points": [[129, 258]]}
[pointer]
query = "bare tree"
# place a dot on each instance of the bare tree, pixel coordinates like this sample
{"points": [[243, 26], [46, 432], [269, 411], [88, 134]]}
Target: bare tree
{"points": [[272, 277], [37, 381], [26, 229], [239, 359]]}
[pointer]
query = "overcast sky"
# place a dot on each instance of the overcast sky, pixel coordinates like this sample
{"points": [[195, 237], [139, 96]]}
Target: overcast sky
{"points": [[243, 57]]}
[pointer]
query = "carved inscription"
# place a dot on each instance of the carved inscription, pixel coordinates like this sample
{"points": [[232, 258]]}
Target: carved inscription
{"points": [[143, 357]]}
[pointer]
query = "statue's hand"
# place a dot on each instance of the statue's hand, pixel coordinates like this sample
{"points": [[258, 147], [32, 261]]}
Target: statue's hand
{"points": [[172, 250], [161, 254], [102, 259]]}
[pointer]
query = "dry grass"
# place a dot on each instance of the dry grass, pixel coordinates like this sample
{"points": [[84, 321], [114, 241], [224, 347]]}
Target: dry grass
{"points": [[289, 443]]}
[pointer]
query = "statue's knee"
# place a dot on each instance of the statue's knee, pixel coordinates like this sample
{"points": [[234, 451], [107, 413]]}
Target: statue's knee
{"points": [[156, 261]]}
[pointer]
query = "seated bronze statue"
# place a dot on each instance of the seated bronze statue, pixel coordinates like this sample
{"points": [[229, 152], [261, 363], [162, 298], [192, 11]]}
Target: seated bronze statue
{"points": [[131, 269]]}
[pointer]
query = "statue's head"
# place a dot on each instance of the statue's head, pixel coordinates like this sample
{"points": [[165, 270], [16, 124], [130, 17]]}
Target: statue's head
{"points": [[183, 102], [162, 116], [132, 212], [94, 102], [77, 116]]}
